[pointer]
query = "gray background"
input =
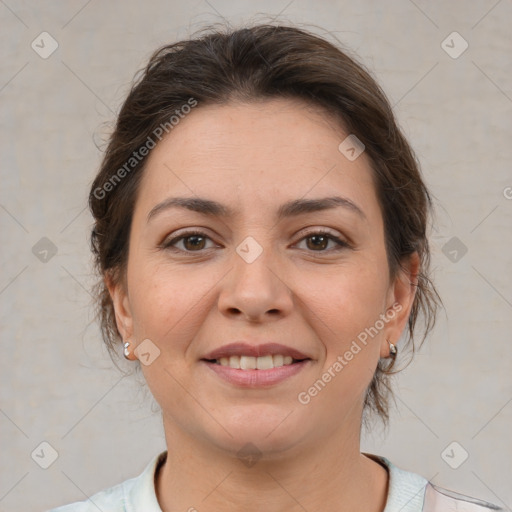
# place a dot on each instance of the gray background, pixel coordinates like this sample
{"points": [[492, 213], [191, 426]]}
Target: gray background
{"points": [[58, 384]]}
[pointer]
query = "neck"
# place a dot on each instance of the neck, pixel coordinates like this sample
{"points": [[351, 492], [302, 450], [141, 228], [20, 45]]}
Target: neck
{"points": [[328, 476]]}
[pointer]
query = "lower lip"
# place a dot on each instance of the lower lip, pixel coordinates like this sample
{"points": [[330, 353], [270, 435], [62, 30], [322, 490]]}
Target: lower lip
{"points": [[257, 378]]}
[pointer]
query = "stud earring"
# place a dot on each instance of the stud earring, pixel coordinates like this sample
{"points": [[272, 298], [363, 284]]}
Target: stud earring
{"points": [[392, 349], [126, 352]]}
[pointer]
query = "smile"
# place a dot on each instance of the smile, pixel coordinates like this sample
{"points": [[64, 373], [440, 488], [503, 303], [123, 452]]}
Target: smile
{"points": [[255, 372], [256, 363]]}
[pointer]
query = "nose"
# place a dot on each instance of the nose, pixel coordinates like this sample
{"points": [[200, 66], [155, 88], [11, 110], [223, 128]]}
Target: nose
{"points": [[256, 291]]}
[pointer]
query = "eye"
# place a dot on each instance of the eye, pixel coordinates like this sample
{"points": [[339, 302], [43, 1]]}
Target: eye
{"points": [[197, 241], [319, 241], [191, 241]]}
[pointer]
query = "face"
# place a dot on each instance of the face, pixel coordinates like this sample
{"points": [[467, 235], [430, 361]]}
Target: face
{"points": [[251, 227]]}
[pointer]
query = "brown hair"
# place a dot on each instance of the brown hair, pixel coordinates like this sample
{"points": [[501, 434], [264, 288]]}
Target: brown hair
{"points": [[249, 64]]}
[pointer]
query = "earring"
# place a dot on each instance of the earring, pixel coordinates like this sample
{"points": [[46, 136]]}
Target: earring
{"points": [[126, 352], [392, 349]]}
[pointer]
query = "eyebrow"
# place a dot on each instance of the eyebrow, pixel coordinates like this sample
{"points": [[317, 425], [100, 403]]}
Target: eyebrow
{"points": [[289, 209]]}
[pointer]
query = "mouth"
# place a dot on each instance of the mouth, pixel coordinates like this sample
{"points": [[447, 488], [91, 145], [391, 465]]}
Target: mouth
{"points": [[261, 363], [249, 365], [255, 366]]}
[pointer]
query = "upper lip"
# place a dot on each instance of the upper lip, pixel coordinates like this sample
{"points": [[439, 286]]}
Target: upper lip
{"points": [[245, 349]]}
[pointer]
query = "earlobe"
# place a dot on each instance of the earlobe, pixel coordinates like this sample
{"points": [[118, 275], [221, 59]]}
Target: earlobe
{"points": [[128, 352], [403, 293], [388, 350], [121, 303]]}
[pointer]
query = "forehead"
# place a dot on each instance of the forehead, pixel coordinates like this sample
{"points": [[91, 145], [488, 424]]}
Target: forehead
{"points": [[255, 152]]}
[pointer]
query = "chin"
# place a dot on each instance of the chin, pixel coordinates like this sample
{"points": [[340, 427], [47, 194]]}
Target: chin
{"points": [[270, 429]]}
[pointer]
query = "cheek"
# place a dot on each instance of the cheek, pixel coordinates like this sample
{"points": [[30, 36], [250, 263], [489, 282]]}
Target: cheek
{"points": [[167, 305], [343, 310], [347, 299]]}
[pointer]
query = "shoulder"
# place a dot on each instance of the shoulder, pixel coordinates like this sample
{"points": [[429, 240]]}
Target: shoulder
{"points": [[439, 499], [410, 492], [131, 495], [108, 500]]}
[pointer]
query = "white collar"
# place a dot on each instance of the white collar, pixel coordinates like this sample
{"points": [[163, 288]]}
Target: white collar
{"points": [[406, 490]]}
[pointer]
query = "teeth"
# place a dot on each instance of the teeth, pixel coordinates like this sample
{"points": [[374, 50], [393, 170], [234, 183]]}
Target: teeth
{"points": [[252, 363], [278, 360], [248, 363], [264, 363]]}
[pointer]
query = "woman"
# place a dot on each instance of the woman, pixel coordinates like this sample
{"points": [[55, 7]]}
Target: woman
{"points": [[260, 228]]}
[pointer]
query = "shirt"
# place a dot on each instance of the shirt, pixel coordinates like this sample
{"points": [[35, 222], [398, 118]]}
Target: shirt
{"points": [[407, 492]]}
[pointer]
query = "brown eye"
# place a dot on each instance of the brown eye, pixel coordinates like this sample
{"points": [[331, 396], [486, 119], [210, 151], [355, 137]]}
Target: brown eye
{"points": [[194, 242], [317, 242], [323, 242], [189, 242]]}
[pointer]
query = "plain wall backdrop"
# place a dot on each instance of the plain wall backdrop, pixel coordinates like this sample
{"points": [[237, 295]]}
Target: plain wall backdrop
{"points": [[58, 383]]}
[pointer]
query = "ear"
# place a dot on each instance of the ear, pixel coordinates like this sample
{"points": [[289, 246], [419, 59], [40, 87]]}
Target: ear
{"points": [[121, 302], [400, 300]]}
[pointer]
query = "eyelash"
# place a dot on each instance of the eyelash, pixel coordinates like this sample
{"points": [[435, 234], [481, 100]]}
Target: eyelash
{"points": [[169, 244]]}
